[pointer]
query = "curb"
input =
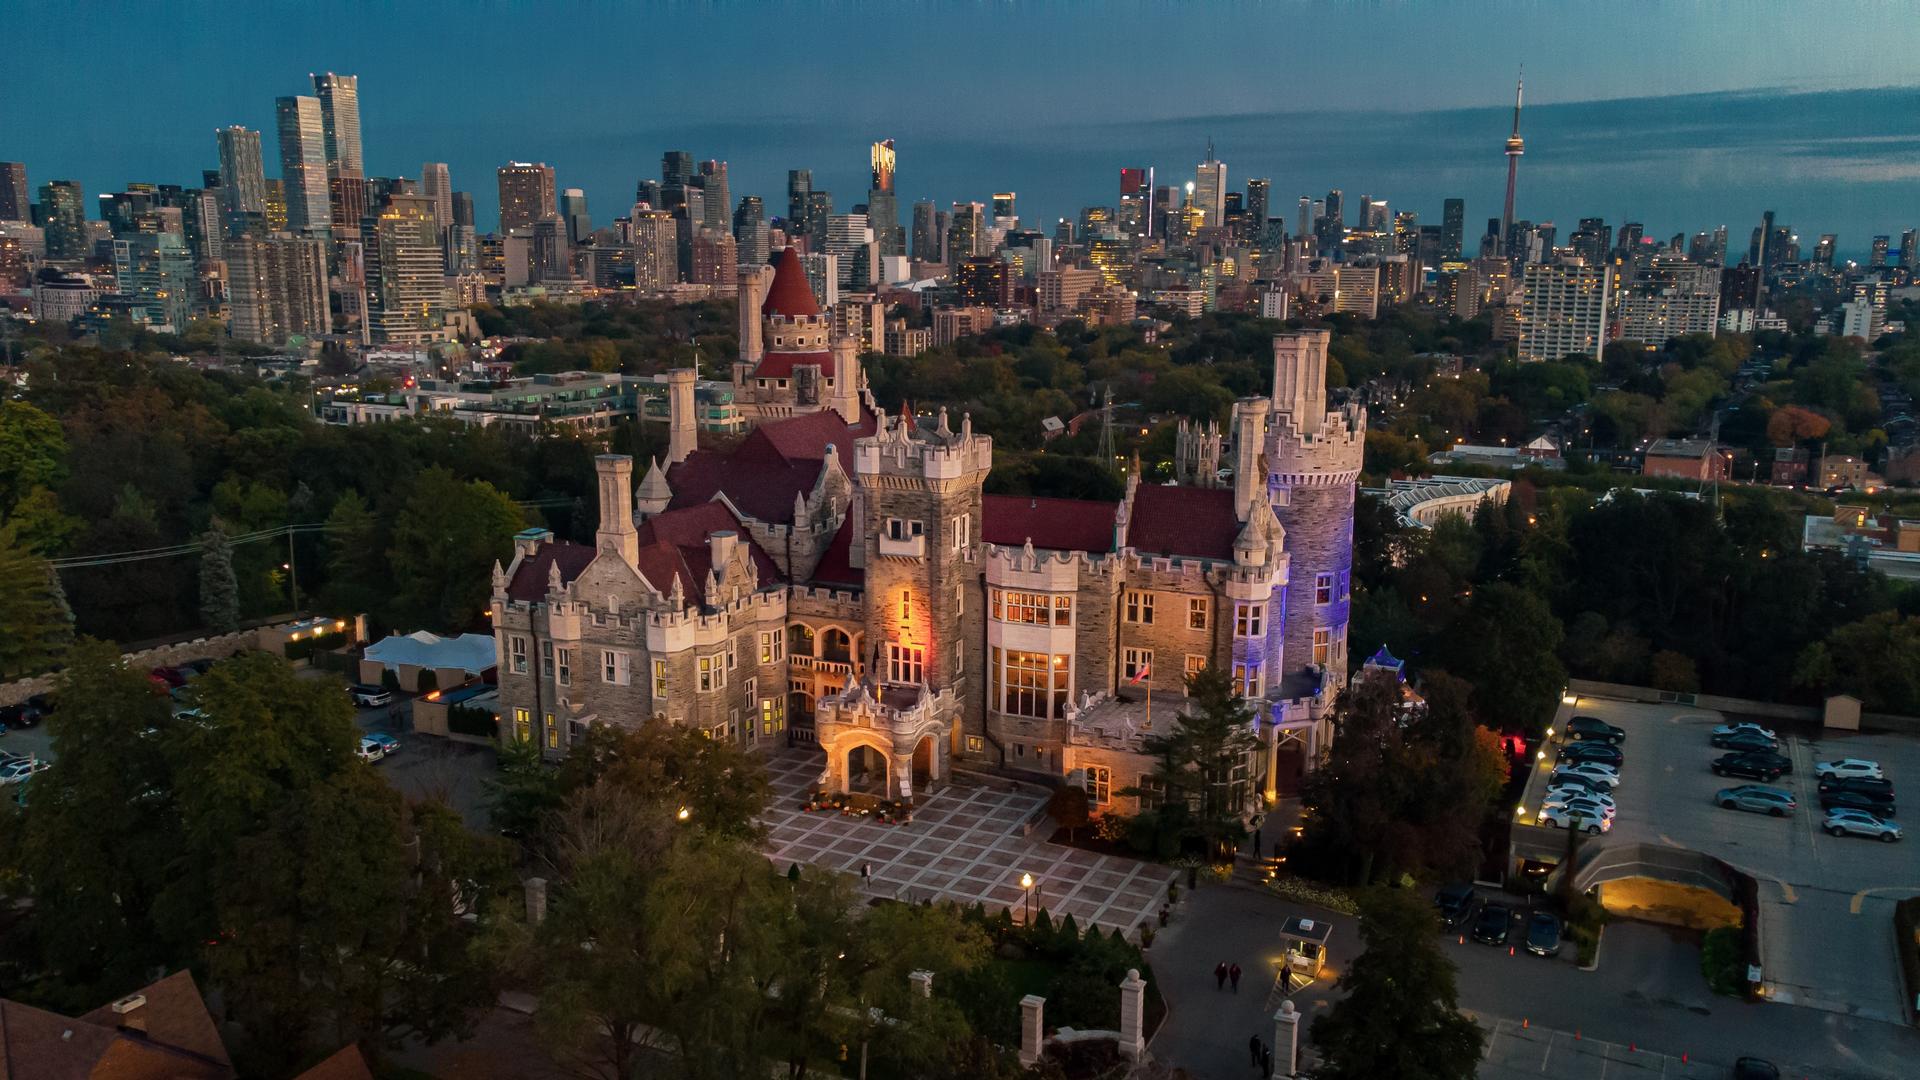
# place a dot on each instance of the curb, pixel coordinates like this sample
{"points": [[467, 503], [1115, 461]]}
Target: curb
{"points": [[1599, 940]]}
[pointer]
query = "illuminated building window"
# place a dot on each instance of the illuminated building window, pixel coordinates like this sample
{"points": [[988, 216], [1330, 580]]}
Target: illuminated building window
{"points": [[1196, 664], [1322, 645], [522, 725], [517, 646], [800, 639], [1099, 785], [1248, 619], [553, 733], [1323, 589], [1246, 680], [906, 664], [1036, 609], [1029, 684], [1199, 612], [1135, 663], [773, 715]]}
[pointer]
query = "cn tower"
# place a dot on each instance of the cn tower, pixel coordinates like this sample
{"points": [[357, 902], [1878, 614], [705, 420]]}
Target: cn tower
{"points": [[1515, 147]]}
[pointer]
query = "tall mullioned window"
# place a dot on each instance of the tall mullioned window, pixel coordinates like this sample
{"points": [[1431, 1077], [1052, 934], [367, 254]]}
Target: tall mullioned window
{"points": [[1034, 609], [1028, 683]]}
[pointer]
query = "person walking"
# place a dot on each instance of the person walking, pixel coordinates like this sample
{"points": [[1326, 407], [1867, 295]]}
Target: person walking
{"points": [[1234, 974], [1266, 1062], [1254, 1046], [866, 873], [1220, 975]]}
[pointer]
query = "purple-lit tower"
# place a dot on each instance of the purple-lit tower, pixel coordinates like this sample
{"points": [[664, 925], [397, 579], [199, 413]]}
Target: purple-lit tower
{"points": [[1313, 458], [1515, 147]]}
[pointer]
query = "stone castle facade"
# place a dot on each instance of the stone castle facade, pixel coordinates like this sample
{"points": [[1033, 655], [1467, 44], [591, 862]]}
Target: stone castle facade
{"points": [[840, 577]]}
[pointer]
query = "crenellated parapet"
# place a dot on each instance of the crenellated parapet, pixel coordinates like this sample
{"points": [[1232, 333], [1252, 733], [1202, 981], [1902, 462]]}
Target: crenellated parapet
{"points": [[903, 454]]}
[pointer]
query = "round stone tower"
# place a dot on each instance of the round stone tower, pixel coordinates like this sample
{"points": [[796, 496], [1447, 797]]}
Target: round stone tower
{"points": [[1313, 461]]}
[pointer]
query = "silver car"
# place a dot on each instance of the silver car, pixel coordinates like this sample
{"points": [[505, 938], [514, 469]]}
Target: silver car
{"points": [[1845, 822], [1756, 798]]}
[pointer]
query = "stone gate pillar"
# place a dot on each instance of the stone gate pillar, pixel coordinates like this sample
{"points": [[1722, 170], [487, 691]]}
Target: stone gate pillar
{"points": [[1133, 1014], [1032, 1028]]}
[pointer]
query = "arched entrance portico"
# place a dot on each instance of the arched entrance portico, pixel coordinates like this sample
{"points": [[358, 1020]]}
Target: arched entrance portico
{"points": [[866, 770], [926, 766]]}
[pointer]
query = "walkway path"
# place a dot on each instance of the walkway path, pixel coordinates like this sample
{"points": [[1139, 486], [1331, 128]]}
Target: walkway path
{"points": [[965, 844]]}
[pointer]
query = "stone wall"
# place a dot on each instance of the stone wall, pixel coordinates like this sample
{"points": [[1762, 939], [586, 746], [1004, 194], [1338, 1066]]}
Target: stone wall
{"points": [[172, 654]]}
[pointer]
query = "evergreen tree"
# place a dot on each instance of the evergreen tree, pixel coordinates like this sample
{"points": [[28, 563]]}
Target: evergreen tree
{"points": [[219, 588], [35, 622], [1204, 763], [1401, 1014]]}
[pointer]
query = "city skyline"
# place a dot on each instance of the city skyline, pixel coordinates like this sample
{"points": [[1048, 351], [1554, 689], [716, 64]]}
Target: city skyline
{"points": [[1841, 146]]}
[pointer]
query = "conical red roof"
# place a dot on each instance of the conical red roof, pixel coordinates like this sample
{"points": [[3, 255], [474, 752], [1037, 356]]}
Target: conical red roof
{"points": [[790, 294]]}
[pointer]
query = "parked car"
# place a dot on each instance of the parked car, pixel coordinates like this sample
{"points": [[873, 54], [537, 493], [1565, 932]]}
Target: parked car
{"points": [[1564, 817], [1582, 728], [1746, 740], [1575, 791], [1744, 725], [1578, 804], [1756, 798], [1753, 1068], [23, 715], [1593, 773], [1843, 821], [17, 772], [1877, 805], [1849, 767], [1493, 925], [1543, 933], [1604, 753], [377, 745], [1753, 764], [368, 696], [170, 676], [1455, 904], [1865, 785]]}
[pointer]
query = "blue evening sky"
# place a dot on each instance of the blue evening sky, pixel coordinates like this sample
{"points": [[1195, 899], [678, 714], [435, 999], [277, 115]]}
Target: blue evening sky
{"points": [[1403, 100]]}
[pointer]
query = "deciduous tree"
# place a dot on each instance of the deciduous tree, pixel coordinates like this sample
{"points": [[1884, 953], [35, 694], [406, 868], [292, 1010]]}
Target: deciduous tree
{"points": [[1400, 1015]]}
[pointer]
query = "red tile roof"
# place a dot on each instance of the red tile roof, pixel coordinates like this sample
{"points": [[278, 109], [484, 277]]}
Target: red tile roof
{"points": [[180, 1041], [780, 365], [674, 545], [1057, 524], [790, 295], [836, 569], [1183, 521], [344, 1064], [529, 582], [769, 467]]}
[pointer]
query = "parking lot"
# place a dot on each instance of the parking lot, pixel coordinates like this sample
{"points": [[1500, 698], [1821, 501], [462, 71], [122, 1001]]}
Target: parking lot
{"points": [[1826, 903]]}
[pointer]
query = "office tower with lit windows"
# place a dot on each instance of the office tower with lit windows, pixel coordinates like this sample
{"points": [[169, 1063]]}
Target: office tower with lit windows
{"points": [[1005, 215], [1909, 250], [437, 184], [277, 288], [1133, 216], [526, 194], [1877, 259], [243, 181], [410, 286], [819, 209], [1258, 190], [15, 203], [340, 117], [716, 208], [156, 270], [1210, 190], [656, 250], [883, 206], [1823, 250], [275, 217], [1564, 310], [849, 239], [966, 232], [303, 162], [1453, 227], [799, 189], [751, 242]]}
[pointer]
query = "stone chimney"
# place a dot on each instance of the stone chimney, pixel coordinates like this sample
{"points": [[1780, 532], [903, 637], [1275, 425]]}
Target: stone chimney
{"points": [[130, 1013], [720, 549], [754, 283], [1300, 376], [616, 532], [683, 431], [847, 374], [1249, 438]]}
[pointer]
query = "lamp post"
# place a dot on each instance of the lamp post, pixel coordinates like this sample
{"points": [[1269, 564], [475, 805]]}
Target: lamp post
{"points": [[684, 814], [1026, 883]]}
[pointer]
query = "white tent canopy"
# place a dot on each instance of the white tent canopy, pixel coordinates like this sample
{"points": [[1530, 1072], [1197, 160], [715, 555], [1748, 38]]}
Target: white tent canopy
{"points": [[472, 653]]}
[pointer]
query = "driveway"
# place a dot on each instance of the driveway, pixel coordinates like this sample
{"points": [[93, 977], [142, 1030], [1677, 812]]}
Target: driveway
{"points": [[966, 843]]}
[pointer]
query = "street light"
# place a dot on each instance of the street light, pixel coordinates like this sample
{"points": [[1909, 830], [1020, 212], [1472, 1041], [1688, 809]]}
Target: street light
{"points": [[1026, 882], [684, 814]]}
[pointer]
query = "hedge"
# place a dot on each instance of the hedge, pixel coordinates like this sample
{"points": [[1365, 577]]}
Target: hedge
{"points": [[472, 720], [1906, 932], [304, 647]]}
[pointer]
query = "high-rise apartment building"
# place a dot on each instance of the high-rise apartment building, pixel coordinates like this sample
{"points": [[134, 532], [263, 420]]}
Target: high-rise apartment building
{"points": [[437, 184], [340, 115], [849, 238], [656, 251], [1258, 191], [243, 181], [716, 261], [1666, 301], [1453, 227], [277, 288], [63, 214], [155, 269], [1563, 310], [716, 207], [966, 232], [927, 235], [526, 194], [1210, 190], [15, 204], [410, 286], [303, 162]]}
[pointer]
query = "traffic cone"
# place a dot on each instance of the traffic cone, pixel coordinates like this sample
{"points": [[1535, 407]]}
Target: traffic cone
{"points": [[1509, 950], [1576, 1034], [1463, 939], [1683, 1057], [1633, 1048], [1525, 1023]]}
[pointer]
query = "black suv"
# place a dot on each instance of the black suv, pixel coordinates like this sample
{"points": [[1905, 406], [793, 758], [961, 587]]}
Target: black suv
{"points": [[1755, 765], [1454, 903], [1879, 805], [1865, 785], [1493, 925], [1593, 750], [1583, 728]]}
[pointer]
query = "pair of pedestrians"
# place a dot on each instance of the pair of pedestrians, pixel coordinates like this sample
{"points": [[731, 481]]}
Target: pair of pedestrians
{"points": [[1224, 971], [1261, 1054]]}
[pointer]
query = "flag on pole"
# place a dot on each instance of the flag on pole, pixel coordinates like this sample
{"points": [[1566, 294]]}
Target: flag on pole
{"points": [[1141, 675]]}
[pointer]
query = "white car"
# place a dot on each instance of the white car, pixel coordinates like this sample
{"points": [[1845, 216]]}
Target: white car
{"points": [[1575, 791], [1844, 822], [1848, 767], [1604, 775], [1561, 817], [1578, 805], [1745, 726], [16, 772]]}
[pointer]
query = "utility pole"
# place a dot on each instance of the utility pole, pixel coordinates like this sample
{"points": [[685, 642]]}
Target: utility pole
{"points": [[1106, 428], [293, 572]]}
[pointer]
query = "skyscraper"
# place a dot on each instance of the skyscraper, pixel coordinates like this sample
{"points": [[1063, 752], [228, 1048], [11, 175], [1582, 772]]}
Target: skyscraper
{"points": [[243, 181], [526, 194], [277, 288], [751, 244], [1909, 249], [14, 201], [799, 188], [676, 167], [303, 162], [1878, 257], [462, 204], [340, 114], [1210, 190], [1005, 215], [1257, 193], [1564, 310], [966, 232], [717, 208], [926, 232], [883, 207], [656, 254], [410, 286], [436, 184], [1453, 227], [1134, 214], [1515, 147], [156, 269], [573, 212]]}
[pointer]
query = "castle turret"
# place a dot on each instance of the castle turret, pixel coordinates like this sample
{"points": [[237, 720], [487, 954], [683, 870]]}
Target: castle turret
{"points": [[843, 395], [1249, 439], [754, 283], [616, 533], [1313, 456], [654, 495], [683, 427]]}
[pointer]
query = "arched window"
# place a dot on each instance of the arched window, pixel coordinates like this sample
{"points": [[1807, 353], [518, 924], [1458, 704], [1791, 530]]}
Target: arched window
{"points": [[836, 646], [799, 640]]}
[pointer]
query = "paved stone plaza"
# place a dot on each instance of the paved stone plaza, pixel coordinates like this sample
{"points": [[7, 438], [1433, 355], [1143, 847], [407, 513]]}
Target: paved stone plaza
{"points": [[964, 844]]}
